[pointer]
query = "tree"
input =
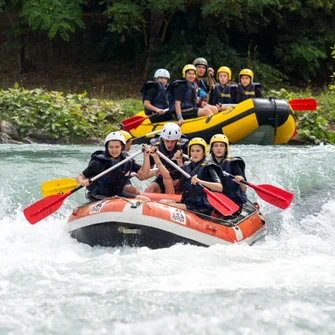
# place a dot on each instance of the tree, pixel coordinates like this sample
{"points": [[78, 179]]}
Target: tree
{"points": [[151, 17]]}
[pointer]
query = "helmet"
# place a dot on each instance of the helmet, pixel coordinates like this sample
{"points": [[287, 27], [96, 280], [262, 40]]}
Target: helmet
{"points": [[171, 132], [247, 72], [187, 68], [197, 140], [126, 135], [224, 69], [200, 61], [219, 138], [162, 73], [115, 136]]}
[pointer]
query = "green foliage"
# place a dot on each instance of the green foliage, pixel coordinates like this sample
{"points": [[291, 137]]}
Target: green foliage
{"points": [[304, 57], [130, 107], [332, 85], [71, 117], [53, 16], [312, 126]]}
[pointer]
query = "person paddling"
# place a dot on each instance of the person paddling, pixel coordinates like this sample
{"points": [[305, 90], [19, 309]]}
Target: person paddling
{"points": [[232, 188], [113, 183], [169, 142], [203, 172]]}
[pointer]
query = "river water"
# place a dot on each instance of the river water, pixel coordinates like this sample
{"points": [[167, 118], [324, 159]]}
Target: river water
{"points": [[51, 284]]}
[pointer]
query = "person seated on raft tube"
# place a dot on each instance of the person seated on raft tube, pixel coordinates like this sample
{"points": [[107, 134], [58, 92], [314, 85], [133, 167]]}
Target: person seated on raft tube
{"points": [[203, 172], [246, 88], [112, 183], [168, 143], [224, 92], [202, 69], [155, 97], [184, 97], [232, 188]]}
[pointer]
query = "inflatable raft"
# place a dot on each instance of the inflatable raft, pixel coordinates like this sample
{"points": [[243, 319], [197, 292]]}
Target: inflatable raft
{"points": [[253, 121], [116, 222]]}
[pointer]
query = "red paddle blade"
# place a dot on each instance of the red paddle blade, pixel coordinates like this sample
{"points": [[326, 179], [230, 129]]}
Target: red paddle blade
{"points": [[221, 203], [132, 119], [273, 195], [44, 207], [133, 122], [303, 104]]}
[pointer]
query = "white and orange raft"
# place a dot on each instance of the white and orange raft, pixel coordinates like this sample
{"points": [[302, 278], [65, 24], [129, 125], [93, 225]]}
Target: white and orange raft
{"points": [[116, 222]]}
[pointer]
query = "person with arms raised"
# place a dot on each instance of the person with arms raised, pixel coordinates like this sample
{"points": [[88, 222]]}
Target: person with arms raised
{"points": [[169, 142]]}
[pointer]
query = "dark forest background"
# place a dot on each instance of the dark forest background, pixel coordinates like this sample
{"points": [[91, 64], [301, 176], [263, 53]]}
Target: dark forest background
{"points": [[110, 47]]}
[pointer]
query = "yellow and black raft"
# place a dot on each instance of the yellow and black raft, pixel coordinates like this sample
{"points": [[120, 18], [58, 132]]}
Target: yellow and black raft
{"points": [[253, 121]]}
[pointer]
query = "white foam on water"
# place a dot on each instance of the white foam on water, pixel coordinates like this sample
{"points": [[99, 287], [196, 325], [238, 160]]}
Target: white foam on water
{"points": [[51, 284]]}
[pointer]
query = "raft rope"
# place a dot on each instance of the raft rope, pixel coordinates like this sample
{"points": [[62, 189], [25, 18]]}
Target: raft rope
{"points": [[275, 119]]}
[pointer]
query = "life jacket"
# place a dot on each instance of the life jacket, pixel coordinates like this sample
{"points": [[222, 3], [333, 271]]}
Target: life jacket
{"points": [[202, 84], [180, 145], [113, 182], [193, 195], [244, 93], [160, 100], [190, 95], [222, 95], [203, 88], [231, 189]]}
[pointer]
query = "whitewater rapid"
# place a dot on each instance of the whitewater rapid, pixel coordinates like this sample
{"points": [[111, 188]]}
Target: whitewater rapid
{"points": [[51, 284]]}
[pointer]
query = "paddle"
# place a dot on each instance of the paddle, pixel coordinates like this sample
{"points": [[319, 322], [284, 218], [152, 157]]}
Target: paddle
{"points": [[146, 135], [61, 186], [271, 194], [296, 104], [303, 104], [135, 121], [219, 201], [46, 206]]}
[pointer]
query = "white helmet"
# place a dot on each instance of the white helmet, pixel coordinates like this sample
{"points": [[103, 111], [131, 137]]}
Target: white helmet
{"points": [[115, 136], [162, 73], [171, 132]]}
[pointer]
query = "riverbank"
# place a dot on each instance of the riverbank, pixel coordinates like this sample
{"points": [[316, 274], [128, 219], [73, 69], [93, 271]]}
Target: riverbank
{"points": [[41, 116]]}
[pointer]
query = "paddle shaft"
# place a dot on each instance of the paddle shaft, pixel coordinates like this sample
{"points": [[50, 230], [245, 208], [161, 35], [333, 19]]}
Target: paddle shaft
{"points": [[257, 188], [45, 205], [147, 135], [226, 206]]}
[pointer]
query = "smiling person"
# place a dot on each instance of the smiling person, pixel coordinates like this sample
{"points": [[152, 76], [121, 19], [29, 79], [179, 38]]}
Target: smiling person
{"points": [[247, 89], [184, 97], [232, 188], [112, 183], [168, 143], [203, 172]]}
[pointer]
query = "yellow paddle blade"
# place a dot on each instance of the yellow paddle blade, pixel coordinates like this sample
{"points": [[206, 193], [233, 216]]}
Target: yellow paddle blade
{"points": [[58, 186]]}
